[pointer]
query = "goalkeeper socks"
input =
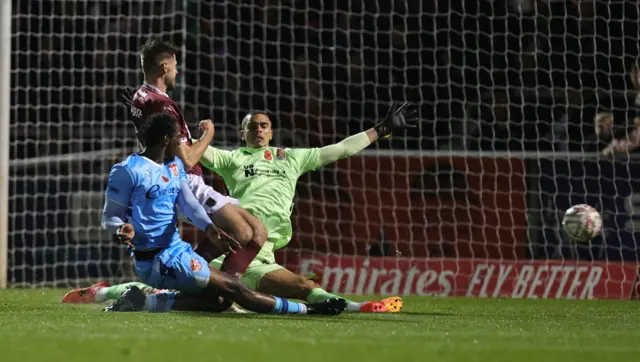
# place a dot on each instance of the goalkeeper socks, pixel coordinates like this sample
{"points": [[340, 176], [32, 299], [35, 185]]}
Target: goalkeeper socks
{"points": [[115, 291], [236, 264], [354, 306], [159, 303], [284, 306], [318, 295]]}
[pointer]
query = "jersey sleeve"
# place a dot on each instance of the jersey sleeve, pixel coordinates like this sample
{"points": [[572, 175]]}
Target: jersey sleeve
{"points": [[306, 159], [181, 171], [120, 185], [217, 160]]}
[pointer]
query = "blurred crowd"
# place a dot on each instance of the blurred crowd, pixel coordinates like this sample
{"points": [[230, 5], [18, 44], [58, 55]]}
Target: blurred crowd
{"points": [[487, 74]]}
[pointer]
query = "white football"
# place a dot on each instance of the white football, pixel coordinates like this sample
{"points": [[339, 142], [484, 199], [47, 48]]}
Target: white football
{"points": [[582, 222]]}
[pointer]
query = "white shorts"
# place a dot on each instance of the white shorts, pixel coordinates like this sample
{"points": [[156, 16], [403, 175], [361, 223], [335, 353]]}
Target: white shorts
{"points": [[210, 199]]}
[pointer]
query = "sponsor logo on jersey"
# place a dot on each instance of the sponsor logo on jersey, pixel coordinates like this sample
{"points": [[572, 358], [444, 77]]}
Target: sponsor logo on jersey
{"points": [[196, 266], [267, 155], [156, 191], [250, 171], [174, 169], [280, 154]]}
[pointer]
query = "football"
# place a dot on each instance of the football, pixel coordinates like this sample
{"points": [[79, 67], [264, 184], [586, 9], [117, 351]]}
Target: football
{"points": [[582, 222]]}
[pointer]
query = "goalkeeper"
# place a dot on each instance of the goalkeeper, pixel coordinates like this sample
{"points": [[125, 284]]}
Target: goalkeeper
{"points": [[264, 179]]}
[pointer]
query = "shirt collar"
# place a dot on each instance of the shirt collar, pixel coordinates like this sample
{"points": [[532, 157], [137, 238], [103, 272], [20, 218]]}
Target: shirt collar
{"points": [[252, 150], [154, 89]]}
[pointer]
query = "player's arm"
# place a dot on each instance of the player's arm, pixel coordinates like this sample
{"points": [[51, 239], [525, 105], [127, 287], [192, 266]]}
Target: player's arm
{"points": [[190, 155], [397, 118], [117, 201], [191, 208], [215, 159], [347, 147]]}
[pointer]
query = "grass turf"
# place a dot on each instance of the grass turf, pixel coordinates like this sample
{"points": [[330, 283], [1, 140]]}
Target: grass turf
{"points": [[35, 326]]}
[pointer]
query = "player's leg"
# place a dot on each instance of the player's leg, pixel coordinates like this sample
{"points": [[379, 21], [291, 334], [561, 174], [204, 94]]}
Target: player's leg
{"points": [[222, 284], [102, 291], [235, 221], [281, 281], [245, 228], [181, 268], [266, 276]]}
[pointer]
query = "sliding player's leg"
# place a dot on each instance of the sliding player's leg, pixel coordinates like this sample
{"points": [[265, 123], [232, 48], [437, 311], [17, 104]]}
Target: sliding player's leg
{"points": [[245, 228], [291, 285], [102, 291], [180, 268], [266, 276], [235, 221]]}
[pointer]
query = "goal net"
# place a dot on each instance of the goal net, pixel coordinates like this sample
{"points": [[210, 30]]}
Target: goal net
{"points": [[519, 101]]}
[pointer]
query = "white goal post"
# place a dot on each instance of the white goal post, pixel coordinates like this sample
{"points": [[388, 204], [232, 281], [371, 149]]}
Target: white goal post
{"points": [[5, 143]]}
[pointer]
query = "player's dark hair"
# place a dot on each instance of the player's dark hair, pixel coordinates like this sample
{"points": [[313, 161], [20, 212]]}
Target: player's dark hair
{"points": [[156, 127], [154, 51], [250, 117]]}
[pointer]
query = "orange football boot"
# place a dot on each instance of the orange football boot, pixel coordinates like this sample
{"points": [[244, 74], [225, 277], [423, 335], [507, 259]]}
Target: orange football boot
{"points": [[387, 305], [84, 295]]}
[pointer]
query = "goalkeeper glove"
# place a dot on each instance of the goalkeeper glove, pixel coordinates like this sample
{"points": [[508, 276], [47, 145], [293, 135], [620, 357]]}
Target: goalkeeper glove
{"points": [[402, 117]]}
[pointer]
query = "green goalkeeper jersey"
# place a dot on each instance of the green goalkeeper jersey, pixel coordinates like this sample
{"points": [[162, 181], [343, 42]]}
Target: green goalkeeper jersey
{"points": [[264, 180]]}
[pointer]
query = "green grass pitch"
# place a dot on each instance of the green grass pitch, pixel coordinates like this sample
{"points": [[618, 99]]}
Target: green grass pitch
{"points": [[35, 326]]}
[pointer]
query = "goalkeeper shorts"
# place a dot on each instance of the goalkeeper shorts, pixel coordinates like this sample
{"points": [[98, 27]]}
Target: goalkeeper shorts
{"points": [[264, 263]]}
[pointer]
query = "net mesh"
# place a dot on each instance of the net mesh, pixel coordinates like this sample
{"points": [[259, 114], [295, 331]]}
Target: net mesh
{"points": [[508, 91]]}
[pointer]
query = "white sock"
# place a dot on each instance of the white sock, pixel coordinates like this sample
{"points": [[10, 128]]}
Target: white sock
{"points": [[101, 295], [354, 306], [303, 308]]}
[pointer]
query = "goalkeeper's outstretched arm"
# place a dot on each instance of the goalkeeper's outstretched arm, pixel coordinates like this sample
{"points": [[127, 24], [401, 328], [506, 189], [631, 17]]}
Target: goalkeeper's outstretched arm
{"points": [[397, 118], [347, 147]]}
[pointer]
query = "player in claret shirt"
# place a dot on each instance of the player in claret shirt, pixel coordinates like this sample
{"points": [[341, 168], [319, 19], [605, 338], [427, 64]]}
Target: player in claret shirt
{"points": [[151, 184], [159, 65]]}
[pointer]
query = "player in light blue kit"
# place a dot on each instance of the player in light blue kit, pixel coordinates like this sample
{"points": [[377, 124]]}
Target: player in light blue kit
{"points": [[150, 184]]}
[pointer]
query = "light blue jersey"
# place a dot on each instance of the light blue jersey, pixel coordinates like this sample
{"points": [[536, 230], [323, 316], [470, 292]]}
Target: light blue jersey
{"points": [[146, 194], [150, 190]]}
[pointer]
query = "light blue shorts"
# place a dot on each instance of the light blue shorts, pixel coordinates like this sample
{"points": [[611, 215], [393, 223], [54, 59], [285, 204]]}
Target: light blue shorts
{"points": [[177, 267]]}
